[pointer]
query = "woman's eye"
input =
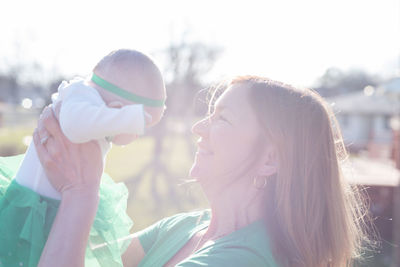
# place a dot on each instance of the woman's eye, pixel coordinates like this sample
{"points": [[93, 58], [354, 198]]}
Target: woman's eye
{"points": [[217, 117], [222, 118]]}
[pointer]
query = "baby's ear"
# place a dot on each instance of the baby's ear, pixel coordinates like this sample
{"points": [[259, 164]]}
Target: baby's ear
{"points": [[115, 104]]}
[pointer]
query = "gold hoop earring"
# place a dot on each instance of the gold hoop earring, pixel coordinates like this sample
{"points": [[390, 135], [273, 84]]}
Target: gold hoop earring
{"points": [[259, 185]]}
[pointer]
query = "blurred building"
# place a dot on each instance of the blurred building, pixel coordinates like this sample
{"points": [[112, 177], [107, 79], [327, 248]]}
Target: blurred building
{"points": [[364, 118]]}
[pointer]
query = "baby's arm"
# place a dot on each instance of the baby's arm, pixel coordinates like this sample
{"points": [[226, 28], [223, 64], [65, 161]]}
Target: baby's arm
{"points": [[83, 117]]}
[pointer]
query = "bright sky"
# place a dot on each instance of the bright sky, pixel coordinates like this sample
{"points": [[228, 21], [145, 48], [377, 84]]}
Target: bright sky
{"points": [[293, 41]]}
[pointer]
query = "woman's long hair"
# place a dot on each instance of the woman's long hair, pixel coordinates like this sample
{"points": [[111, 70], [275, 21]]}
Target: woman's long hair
{"points": [[315, 218]]}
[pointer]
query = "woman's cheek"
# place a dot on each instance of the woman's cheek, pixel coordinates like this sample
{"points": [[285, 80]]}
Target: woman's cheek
{"points": [[224, 145], [233, 146]]}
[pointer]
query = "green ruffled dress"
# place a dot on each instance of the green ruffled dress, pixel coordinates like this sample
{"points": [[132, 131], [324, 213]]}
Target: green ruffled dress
{"points": [[26, 219]]}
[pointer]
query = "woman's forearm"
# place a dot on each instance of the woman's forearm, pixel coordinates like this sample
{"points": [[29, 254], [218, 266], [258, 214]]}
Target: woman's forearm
{"points": [[68, 237]]}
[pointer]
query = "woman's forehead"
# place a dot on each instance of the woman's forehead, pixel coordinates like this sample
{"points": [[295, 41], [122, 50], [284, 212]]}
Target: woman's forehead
{"points": [[235, 101], [233, 97]]}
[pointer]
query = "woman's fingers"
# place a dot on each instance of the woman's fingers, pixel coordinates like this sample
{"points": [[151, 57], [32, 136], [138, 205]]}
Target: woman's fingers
{"points": [[48, 124], [50, 163], [50, 134], [41, 130], [42, 153], [57, 109]]}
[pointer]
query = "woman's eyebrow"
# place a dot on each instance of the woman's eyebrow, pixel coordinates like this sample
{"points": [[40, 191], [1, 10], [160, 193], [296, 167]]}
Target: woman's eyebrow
{"points": [[222, 108], [226, 110]]}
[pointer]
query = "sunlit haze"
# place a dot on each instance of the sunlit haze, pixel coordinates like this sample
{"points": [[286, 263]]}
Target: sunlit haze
{"points": [[293, 41]]}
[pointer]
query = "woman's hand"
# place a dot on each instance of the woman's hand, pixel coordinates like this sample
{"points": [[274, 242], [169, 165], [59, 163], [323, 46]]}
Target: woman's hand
{"points": [[71, 168], [75, 171]]}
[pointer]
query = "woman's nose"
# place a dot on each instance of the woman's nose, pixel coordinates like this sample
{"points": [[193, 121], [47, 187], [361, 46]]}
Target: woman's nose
{"points": [[201, 127]]}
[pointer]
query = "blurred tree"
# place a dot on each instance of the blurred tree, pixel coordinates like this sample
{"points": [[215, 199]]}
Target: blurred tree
{"points": [[23, 74], [9, 89], [52, 88], [335, 81], [187, 64]]}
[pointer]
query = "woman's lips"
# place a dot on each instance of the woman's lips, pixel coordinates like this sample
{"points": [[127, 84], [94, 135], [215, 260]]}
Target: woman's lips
{"points": [[202, 149]]}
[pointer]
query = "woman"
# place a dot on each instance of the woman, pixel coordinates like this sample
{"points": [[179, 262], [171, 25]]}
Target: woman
{"points": [[268, 161]]}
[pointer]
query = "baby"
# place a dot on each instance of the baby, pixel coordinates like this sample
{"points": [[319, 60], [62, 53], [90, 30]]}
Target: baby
{"points": [[125, 94]]}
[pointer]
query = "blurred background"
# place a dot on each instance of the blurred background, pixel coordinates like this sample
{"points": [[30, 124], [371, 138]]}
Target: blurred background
{"points": [[347, 50]]}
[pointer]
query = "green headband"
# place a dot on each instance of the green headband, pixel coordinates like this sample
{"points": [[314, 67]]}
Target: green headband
{"points": [[125, 94]]}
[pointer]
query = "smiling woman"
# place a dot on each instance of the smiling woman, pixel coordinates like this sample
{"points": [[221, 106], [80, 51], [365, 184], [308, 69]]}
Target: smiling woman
{"points": [[304, 140], [290, 138], [269, 163], [228, 145]]}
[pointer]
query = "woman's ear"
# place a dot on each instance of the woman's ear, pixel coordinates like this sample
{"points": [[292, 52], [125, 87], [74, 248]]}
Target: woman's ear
{"points": [[115, 104], [270, 164], [268, 170]]}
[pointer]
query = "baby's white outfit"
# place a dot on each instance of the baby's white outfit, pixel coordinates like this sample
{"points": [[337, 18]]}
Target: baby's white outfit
{"points": [[83, 116]]}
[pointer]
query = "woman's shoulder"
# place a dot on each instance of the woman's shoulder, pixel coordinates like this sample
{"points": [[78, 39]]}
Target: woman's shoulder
{"points": [[233, 255], [247, 246], [250, 243], [181, 222], [176, 227], [191, 218]]}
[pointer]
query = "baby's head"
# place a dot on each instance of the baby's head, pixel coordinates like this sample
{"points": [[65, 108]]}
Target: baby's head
{"points": [[134, 72]]}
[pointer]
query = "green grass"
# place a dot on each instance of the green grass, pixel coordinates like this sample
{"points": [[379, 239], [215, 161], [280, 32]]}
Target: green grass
{"points": [[124, 162], [12, 140]]}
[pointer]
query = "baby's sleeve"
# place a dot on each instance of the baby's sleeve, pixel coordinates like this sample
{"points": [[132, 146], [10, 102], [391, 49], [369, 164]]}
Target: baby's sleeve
{"points": [[83, 117]]}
